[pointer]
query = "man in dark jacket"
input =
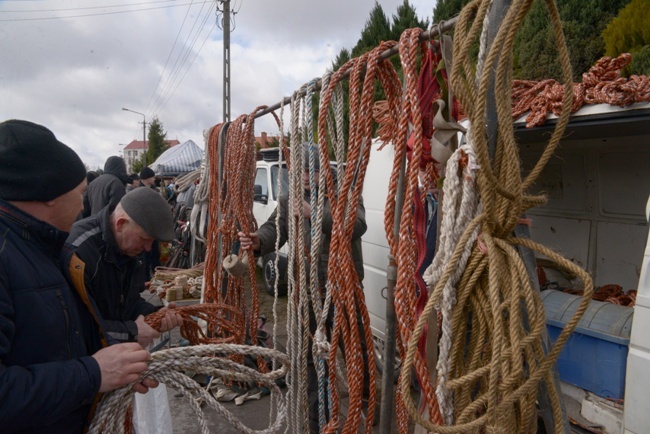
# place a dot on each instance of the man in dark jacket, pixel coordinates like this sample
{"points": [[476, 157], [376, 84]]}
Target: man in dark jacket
{"points": [[109, 187], [264, 240], [151, 257], [111, 243], [52, 364]]}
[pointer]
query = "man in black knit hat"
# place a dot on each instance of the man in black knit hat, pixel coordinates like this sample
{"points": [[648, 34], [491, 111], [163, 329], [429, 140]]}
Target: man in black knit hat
{"points": [[147, 177], [54, 357]]}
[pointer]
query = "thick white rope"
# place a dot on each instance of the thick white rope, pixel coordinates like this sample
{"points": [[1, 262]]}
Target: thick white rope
{"points": [[168, 367], [199, 214], [183, 182], [460, 205], [482, 51], [276, 261]]}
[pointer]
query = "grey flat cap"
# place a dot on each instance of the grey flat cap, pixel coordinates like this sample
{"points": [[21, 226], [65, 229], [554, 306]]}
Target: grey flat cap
{"points": [[151, 211]]}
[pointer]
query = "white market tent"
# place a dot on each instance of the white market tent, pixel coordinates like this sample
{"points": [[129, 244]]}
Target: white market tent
{"points": [[182, 158]]}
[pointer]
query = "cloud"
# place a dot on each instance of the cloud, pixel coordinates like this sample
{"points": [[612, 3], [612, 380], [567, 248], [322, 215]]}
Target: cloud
{"points": [[74, 75]]}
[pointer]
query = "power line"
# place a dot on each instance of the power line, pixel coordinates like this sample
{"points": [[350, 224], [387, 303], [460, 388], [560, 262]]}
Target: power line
{"points": [[182, 57], [99, 14], [27, 11], [168, 57], [189, 67]]}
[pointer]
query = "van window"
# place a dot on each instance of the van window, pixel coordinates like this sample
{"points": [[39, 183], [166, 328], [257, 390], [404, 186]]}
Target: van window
{"points": [[274, 179], [261, 179]]}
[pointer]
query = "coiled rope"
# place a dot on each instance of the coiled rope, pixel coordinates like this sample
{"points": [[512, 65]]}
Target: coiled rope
{"points": [[497, 359], [169, 366], [602, 84], [221, 319], [183, 182]]}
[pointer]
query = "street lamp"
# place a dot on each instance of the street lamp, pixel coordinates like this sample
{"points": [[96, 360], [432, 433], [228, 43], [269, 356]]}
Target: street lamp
{"points": [[144, 124]]}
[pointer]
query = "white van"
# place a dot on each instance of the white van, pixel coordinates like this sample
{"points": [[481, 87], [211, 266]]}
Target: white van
{"points": [[598, 186], [268, 170]]}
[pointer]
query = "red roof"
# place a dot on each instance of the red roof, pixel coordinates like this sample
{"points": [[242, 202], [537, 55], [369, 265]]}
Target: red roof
{"points": [[139, 144]]}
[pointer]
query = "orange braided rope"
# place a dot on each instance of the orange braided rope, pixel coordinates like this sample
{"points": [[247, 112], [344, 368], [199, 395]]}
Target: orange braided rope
{"points": [[230, 210], [602, 84], [217, 316], [347, 292]]}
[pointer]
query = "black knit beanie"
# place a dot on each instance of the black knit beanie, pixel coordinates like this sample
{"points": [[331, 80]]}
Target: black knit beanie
{"points": [[34, 165], [147, 173]]}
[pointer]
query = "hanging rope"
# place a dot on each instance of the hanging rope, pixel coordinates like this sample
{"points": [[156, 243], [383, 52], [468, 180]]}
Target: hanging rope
{"points": [[459, 207], [496, 357], [297, 280], [200, 210], [169, 366], [183, 182], [342, 280]]}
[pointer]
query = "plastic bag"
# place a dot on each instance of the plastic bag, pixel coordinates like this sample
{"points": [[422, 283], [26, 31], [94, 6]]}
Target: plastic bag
{"points": [[151, 413]]}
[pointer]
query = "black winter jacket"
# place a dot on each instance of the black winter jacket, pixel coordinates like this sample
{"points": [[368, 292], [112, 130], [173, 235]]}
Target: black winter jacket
{"points": [[114, 280], [267, 234], [48, 379], [108, 188]]}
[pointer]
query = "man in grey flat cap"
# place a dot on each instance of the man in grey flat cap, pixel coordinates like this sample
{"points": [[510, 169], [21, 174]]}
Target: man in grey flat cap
{"points": [[111, 243]]}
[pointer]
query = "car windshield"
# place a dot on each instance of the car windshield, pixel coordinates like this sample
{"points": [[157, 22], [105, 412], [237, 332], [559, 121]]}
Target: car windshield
{"points": [[274, 180]]}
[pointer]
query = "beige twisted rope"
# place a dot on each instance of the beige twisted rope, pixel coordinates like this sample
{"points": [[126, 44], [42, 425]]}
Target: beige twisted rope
{"points": [[168, 367], [497, 359]]}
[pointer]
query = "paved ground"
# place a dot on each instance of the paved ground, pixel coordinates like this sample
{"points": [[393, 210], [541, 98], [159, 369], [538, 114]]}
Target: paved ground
{"points": [[255, 414]]}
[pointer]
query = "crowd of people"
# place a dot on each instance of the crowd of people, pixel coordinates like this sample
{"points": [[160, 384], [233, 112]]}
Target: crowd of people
{"points": [[71, 273], [76, 249]]}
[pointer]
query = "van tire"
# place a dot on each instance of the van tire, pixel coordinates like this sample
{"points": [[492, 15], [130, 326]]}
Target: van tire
{"points": [[268, 274]]}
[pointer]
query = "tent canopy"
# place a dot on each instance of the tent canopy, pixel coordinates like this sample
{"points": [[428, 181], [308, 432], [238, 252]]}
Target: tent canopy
{"points": [[182, 158]]}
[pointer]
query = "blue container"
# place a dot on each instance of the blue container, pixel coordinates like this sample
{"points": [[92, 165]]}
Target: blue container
{"points": [[595, 356]]}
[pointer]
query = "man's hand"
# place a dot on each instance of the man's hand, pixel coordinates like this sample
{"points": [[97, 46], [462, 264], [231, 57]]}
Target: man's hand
{"points": [[251, 241], [306, 210], [146, 334], [122, 364], [171, 319], [145, 385]]}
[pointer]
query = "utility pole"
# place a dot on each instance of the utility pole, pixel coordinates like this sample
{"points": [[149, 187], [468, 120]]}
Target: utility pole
{"points": [[226, 60], [144, 124]]}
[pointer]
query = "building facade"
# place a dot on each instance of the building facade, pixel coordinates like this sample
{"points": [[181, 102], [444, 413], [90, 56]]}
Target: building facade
{"points": [[134, 151]]}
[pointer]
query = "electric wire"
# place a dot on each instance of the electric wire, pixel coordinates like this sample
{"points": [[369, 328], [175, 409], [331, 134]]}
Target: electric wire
{"points": [[182, 57], [95, 15]]}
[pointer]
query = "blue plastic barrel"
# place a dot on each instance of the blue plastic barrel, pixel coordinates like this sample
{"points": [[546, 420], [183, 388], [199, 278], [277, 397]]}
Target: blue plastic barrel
{"points": [[595, 356]]}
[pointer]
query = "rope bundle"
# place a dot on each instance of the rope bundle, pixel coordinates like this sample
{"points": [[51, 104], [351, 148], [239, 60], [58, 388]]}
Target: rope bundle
{"points": [[343, 282], [602, 84], [298, 256], [496, 358], [221, 323], [230, 210], [169, 367]]}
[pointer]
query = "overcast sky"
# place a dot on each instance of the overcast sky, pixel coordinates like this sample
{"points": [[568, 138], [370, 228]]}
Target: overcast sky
{"points": [[72, 65]]}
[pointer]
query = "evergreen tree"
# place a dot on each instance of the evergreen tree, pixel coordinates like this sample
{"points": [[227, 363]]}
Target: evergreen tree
{"points": [[377, 29], [583, 22], [406, 18], [446, 9], [629, 32], [157, 143]]}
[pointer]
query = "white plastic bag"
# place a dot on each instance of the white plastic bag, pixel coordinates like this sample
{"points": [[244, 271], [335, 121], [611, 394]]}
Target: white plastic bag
{"points": [[151, 412]]}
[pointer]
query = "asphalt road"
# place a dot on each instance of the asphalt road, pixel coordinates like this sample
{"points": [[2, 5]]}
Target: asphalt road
{"points": [[254, 413]]}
